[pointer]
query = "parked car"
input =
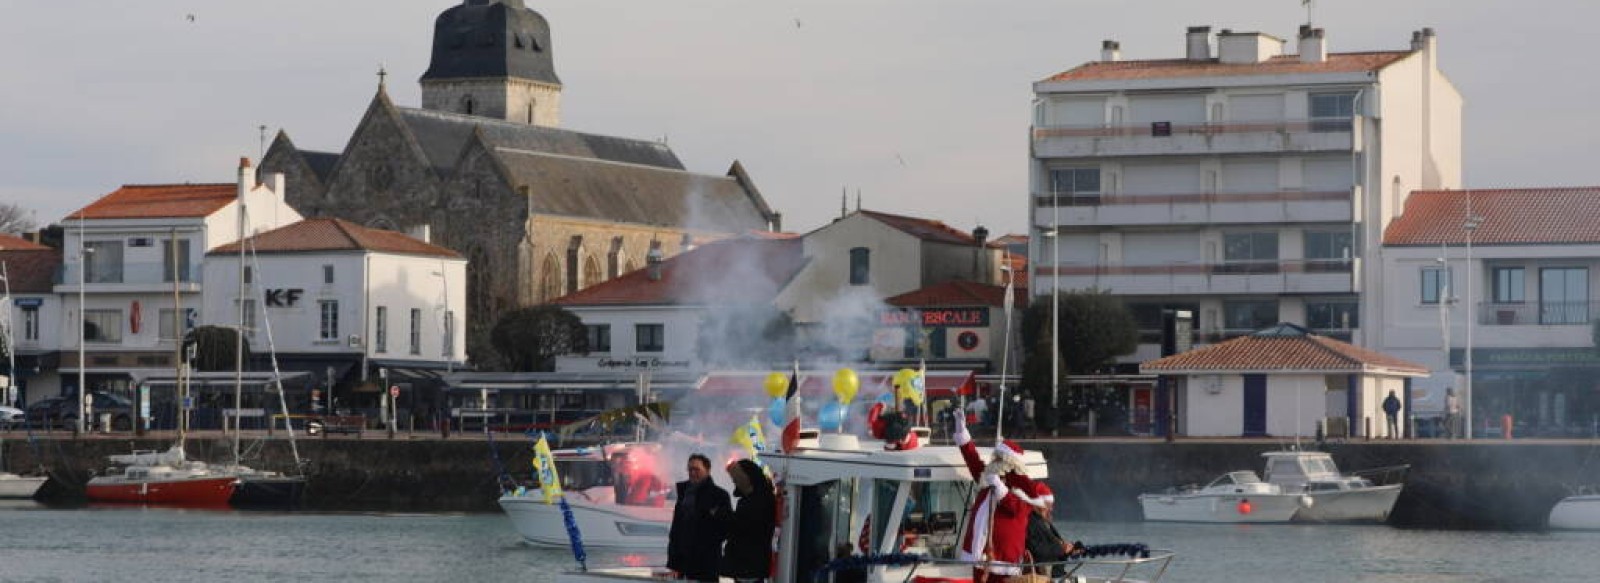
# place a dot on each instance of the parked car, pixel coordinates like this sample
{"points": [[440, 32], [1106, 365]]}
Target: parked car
{"points": [[11, 416], [119, 407]]}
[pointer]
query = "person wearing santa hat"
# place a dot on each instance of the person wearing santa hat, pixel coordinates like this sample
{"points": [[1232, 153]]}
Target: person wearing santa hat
{"points": [[1045, 543], [996, 539]]}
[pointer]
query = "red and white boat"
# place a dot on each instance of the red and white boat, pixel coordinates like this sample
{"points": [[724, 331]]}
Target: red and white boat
{"points": [[163, 478]]}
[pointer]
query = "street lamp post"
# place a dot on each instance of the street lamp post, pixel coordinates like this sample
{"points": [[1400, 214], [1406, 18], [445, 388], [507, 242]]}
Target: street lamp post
{"points": [[83, 322], [1471, 224], [1053, 234]]}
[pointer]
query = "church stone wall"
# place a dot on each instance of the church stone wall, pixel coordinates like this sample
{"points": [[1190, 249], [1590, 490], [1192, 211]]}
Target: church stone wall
{"points": [[298, 179], [506, 99]]}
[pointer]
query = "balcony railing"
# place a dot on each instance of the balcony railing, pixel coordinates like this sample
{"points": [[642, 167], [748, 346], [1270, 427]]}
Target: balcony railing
{"points": [[1252, 267], [1538, 313], [1046, 200], [1162, 138], [136, 273], [1161, 129]]}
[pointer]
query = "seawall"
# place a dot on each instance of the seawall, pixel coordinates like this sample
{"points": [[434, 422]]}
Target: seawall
{"points": [[1487, 484]]}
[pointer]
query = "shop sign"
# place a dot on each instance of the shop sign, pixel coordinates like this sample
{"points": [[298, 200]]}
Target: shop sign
{"points": [[936, 317]]}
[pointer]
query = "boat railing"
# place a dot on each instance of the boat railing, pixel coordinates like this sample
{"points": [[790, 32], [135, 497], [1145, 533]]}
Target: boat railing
{"points": [[1116, 563], [1385, 475]]}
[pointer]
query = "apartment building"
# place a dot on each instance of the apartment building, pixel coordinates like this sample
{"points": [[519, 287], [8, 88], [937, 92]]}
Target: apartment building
{"points": [[1245, 181]]}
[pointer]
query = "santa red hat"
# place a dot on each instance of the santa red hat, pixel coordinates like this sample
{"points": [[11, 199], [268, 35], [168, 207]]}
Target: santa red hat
{"points": [[1010, 451], [1042, 492]]}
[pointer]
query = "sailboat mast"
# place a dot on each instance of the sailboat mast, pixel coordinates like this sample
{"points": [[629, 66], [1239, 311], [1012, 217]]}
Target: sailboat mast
{"points": [[238, 344], [177, 331]]}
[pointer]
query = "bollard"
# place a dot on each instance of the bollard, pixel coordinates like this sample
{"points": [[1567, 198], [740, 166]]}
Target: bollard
{"points": [[1505, 426], [1091, 423], [1366, 427]]}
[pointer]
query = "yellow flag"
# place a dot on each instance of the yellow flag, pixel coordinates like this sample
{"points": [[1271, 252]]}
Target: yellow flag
{"points": [[544, 466], [749, 437]]}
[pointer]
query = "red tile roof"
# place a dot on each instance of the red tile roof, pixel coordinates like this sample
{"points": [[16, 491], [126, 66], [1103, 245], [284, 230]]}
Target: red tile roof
{"points": [[1008, 240], [960, 293], [1278, 65], [31, 270], [925, 229], [312, 235], [160, 201], [15, 243], [739, 270], [1284, 347], [1510, 217]]}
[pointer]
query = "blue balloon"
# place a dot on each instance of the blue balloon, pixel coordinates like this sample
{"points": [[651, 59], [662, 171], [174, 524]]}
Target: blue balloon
{"points": [[776, 413], [887, 399], [831, 418]]}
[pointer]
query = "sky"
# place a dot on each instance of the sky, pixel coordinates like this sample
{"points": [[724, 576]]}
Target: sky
{"points": [[921, 106]]}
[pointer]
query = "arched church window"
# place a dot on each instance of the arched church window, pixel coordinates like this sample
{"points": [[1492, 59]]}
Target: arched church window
{"points": [[591, 272], [530, 111], [550, 278]]}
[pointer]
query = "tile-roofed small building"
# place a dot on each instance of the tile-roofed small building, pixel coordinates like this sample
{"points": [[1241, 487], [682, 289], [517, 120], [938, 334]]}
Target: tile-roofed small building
{"points": [[159, 201], [1285, 347], [30, 269], [1512, 216], [322, 234]]}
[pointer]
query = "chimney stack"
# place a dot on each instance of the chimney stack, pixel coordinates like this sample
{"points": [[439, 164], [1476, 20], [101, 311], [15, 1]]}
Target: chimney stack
{"points": [[1199, 43], [1110, 51], [1313, 47], [652, 261]]}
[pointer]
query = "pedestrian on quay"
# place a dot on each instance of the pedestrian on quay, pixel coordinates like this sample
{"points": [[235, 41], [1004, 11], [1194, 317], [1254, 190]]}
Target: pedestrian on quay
{"points": [[699, 524], [747, 558], [1452, 414], [1391, 409]]}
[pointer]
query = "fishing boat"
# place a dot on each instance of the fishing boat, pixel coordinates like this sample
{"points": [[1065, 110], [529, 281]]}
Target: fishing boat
{"points": [[1577, 512], [1335, 497], [616, 499], [169, 477], [1231, 498]]}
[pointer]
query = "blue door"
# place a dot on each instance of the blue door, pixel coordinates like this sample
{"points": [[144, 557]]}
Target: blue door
{"points": [[1255, 405]]}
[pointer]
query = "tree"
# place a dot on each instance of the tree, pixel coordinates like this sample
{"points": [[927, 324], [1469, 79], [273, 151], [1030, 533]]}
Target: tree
{"points": [[214, 348], [15, 219], [1095, 328], [746, 335], [529, 339]]}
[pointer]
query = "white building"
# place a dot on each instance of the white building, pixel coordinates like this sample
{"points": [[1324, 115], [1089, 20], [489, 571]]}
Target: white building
{"points": [[32, 314], [1244, 184], [1523, 297], [131, 258], [340, 296]]}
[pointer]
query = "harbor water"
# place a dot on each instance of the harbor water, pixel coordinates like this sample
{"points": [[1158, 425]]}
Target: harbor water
{"points": [[39, 543]]}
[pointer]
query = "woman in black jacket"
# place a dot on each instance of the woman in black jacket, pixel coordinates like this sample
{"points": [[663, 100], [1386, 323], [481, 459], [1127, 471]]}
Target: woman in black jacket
{"points": [[748, 554]]}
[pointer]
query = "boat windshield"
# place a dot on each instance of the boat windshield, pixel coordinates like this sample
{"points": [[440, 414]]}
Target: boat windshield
{"points": [[1237, 478], [1315, 466], [582, 473], [840, 517]]}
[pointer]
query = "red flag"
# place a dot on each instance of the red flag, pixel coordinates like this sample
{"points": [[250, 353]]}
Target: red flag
{"points": [[791, 426]]}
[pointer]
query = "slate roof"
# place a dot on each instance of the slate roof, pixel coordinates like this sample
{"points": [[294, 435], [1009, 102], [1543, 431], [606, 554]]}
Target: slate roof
{"points": [[741, 270], [1177, 68], [632, 193], [313, 235], [165, 201], [1523, 216], [925, 229], [14, 243], [321, 163], [443, 135], [491, 38], [31, 270], [1284, 347], [960, 293]]}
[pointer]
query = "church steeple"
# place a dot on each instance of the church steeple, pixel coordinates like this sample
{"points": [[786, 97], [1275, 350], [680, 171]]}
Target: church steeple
{"points": [[493, 58]]}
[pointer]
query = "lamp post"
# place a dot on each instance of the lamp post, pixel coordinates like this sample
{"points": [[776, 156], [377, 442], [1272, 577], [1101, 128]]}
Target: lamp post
{"points": [[1472, 223], [83, 322], [1053, 234]]}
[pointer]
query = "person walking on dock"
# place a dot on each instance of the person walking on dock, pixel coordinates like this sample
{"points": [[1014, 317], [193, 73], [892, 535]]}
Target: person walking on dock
{"points": [[1391, 409], [1452, 414], [699, 524]]}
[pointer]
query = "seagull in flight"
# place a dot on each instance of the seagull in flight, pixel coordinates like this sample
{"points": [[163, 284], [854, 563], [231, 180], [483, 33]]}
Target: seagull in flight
{"points": [[190, 17]]}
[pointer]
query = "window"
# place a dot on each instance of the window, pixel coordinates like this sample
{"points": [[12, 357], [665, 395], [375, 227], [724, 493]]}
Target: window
{"points": [[416, 331], [649, 337], [1332, 112], [166, 327], [1435, 284], [30, 323], [1328, 251], [1076, 184], [102, 325], [249, 275], [1564, 295], [860, 266], [179, 265], [329, 328], [1509, 285], [449, 333], [1249, 316], [381, 329], [102, 262], [1333, 314], [327, 274], [1250, 253], [599, 337]]}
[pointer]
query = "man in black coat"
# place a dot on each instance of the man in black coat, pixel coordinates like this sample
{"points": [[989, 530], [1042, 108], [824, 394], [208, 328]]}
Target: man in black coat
{"points": [[748, 555], [699, 524]]}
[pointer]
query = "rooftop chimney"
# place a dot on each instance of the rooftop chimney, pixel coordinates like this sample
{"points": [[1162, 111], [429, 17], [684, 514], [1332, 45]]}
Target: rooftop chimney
{"points": [[686, 243], [1313, 47], [422, 232], [981, 234], [1110, 51], [652, 261], [1199, 43], [1243, 48]]}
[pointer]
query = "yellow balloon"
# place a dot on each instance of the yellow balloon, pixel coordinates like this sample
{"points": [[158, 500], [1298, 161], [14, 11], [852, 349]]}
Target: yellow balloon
{"points": [[776, 384], [845, 385], [905, 388]]}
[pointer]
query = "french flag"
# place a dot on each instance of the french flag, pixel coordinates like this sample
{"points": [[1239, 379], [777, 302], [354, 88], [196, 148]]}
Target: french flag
{"points": [[791, 409]]}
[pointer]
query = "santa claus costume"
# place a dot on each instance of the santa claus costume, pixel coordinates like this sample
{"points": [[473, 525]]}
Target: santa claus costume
{"points": [[997, 536]]}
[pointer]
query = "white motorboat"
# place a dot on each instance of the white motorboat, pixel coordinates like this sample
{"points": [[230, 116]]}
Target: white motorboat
{"points": [[908, 506], [1579, 512], [13, 486], [1335, 497], [1232, 497], [639, 521]]}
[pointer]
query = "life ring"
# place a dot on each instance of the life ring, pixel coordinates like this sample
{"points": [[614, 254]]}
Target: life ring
{"points": [[134, 319]]}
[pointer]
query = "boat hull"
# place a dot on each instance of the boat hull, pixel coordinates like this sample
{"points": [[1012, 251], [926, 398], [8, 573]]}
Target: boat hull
{"points": [[1576, 513], [268, 492], [1357, 505], [1219, 508], [15, 487], [603, 524], [198, 491]]}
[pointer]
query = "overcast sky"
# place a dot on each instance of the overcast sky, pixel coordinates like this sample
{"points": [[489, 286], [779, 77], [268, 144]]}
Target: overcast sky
{"points": [[922, 105]]}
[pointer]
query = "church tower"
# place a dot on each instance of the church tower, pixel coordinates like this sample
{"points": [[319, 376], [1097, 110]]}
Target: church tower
{"points": [[492, 58]]}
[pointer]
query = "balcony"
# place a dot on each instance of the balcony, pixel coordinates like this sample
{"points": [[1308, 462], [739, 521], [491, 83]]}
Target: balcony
{"points": [[1233, 277], [1195, 209], [1538, 314], [131, 277], [1169, 138]]}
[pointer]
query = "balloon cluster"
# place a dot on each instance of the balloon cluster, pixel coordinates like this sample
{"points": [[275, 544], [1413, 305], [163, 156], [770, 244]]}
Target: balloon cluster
{"points": [[777, 386], [845, 386]]}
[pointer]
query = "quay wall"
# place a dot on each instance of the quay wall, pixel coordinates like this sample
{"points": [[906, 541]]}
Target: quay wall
{"points": [[1485, 484]]}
